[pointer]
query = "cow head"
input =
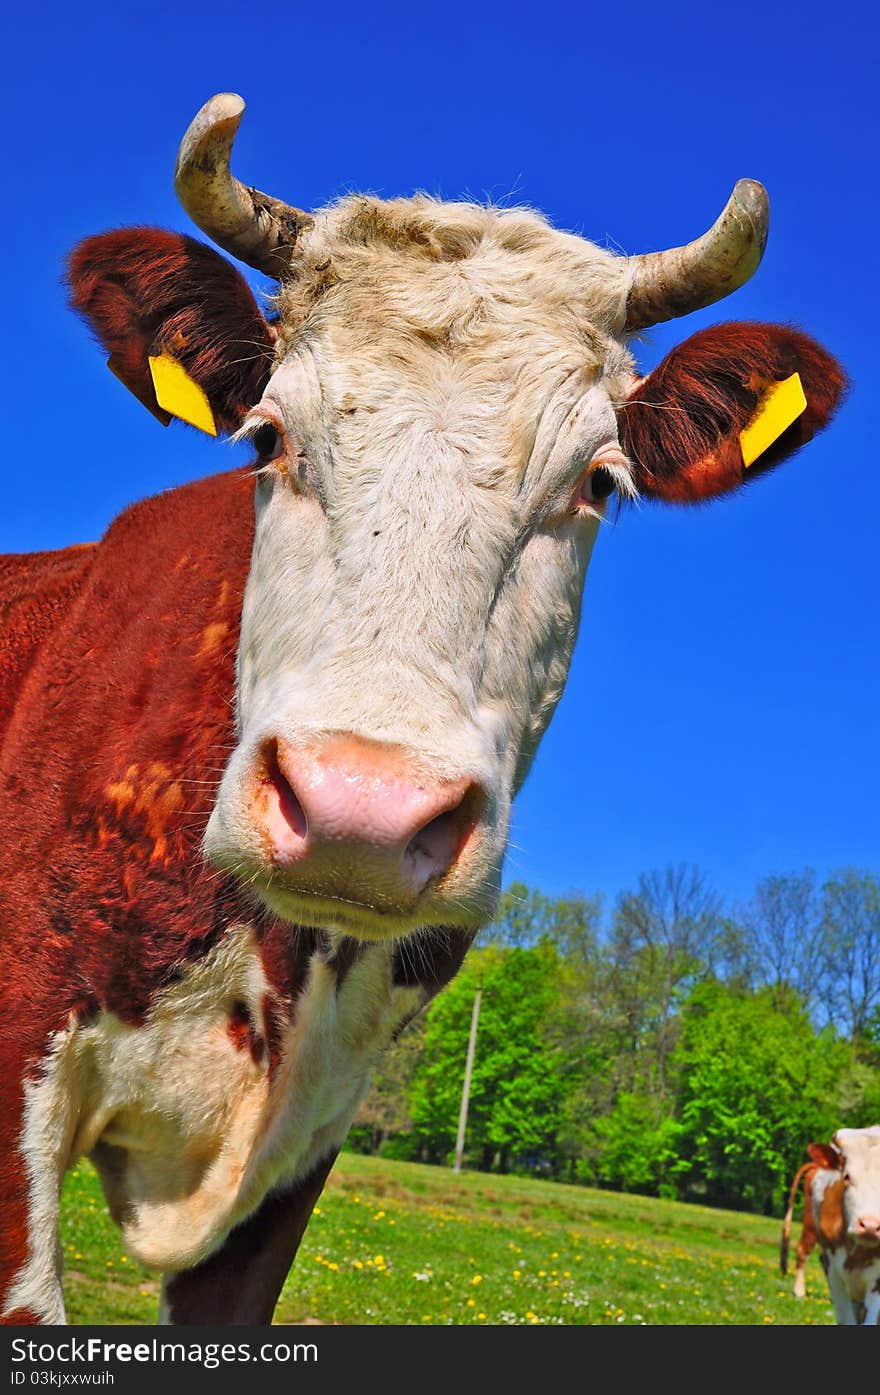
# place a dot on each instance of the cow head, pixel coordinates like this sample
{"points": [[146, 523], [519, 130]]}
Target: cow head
{"points": [[443, 407], [849, 1190]]}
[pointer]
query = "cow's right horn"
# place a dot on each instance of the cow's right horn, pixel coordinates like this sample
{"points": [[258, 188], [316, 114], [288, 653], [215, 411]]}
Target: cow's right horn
{"points": [[257, 229], [664, 285]]}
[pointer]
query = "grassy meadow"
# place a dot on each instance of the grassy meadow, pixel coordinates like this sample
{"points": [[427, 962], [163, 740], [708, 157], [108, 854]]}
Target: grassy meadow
{"points": [[398, 1242]]}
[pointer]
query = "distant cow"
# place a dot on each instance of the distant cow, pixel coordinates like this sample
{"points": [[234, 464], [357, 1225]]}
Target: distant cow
{"points": [[845, 1209], [260, 742]]}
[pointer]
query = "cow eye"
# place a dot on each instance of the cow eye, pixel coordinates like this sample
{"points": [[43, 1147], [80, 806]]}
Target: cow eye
{"points": [[600, 483], [267, 440], [596, 486]]}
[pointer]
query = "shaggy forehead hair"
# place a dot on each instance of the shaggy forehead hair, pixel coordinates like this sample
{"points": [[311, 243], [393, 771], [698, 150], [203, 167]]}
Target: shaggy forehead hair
{"points": [[457, 277]]}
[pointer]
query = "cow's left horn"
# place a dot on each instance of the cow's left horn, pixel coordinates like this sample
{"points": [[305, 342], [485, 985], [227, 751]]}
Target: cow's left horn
{"points": [[664, 285], [257, 229]]}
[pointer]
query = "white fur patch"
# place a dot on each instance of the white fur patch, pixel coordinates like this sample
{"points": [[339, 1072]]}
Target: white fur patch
{"points": [[186, 1129], [416, 582], [444, 377], [45, 1142]]}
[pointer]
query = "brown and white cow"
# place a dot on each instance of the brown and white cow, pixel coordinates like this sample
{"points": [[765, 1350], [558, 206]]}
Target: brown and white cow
{"points": [[260, 742], [845, 1208]]}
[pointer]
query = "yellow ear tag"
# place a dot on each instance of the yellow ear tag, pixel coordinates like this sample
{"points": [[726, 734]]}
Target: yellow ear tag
{"points": [[178, 394], [778, 408]]}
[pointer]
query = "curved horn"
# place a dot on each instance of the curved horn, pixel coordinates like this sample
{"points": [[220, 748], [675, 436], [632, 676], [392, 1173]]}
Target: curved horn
{"points": [[252, 226], [664, 285]]}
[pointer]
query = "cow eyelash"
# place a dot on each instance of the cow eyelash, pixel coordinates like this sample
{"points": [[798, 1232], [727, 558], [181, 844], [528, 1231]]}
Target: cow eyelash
{"points": [[266, 438], [598, 485], [602, 480]]}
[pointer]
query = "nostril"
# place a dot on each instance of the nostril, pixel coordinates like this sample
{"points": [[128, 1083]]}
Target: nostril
{"points": [[437, 846], [289, 807], [434, 848]]}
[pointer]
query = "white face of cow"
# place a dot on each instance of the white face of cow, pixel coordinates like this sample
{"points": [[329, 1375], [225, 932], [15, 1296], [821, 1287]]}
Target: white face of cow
{"points": [[860, 1150], [437, 446]]}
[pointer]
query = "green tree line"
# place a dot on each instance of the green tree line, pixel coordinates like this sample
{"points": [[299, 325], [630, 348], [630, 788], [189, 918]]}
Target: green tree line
{"points": [[672, 1048]]}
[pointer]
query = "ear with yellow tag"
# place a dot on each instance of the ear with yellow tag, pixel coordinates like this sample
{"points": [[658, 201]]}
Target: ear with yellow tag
{"points": [[736, 400], [179, 394], [780, 406]]}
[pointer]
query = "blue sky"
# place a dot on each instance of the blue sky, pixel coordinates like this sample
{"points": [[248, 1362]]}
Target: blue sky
{"points": [[722, 707]]}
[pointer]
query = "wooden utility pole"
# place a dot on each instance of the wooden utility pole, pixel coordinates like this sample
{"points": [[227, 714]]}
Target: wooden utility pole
{"points": [[466, 1088]]}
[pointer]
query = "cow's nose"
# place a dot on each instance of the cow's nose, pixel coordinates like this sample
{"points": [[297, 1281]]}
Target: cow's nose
{"points": [[869, 1227], [358, 815]]}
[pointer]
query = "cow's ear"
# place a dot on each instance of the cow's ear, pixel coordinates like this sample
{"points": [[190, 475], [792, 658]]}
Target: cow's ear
{"points": [[150, 294], [682, 425], [825, 1155]]}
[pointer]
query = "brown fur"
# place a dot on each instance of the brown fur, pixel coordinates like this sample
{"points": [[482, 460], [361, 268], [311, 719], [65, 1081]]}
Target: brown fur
{"points": [[143, 290], [35, 591], [831, 1225], [681, 425]]}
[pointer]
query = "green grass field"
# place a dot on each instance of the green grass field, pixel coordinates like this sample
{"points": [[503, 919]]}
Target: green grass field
{"points": [[402, 1243]]}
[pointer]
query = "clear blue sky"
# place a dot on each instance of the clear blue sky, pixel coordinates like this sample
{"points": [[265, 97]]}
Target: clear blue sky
{"points": [[723, 703]]}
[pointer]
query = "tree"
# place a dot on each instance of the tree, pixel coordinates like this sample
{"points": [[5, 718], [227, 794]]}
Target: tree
{"points": [[661, 941], [756, 1084], [516, 1087], [383, 1122], [626, 1060], [850, 974], [525, 917], [633, 1148], [785, 936]]}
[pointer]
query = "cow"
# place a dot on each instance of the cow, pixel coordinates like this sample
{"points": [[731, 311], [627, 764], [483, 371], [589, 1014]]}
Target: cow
{"points": [[807, 1241], [260, 742], [845, 1208]]}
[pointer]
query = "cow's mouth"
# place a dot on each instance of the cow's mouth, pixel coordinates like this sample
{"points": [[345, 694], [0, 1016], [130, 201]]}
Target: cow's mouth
{"points": [[375, 919]]}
